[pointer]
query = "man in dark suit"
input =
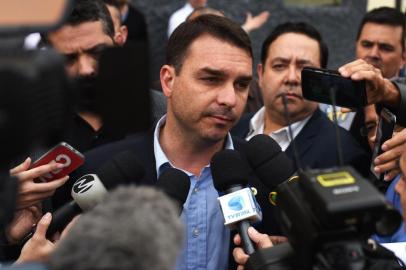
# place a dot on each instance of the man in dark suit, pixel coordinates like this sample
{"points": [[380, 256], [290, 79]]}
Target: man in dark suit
{"points": [[206, 80], [289, 48]]}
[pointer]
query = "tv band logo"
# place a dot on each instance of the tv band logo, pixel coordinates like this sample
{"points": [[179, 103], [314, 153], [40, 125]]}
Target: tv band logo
{"points": [[83, 184], [62, 159], [236, 203]]}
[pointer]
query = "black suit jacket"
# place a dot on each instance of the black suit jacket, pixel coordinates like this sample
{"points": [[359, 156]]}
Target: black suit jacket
{"points": [[317, 144], [137, 27], [142, 146]]}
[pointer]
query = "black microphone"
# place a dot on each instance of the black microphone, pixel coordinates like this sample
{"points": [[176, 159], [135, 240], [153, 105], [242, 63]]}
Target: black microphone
{"points": [[87, 191], [230, 175], [176, 184], [269, 162]]}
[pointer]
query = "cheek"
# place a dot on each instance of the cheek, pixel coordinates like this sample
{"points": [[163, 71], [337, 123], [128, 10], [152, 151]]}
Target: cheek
{"points": [[71, 70]]}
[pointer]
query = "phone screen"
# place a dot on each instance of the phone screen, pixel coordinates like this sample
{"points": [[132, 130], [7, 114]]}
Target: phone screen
{"points": [[384, 132], [318, 83]]}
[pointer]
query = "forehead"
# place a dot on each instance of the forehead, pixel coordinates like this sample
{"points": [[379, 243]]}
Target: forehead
{"points": [[294, 45], [71, 39], [208, 51], [382, 33]]}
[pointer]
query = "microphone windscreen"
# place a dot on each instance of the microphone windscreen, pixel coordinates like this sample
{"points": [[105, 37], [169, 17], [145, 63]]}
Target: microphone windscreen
{"points": [[269, 163], [174, 183], [228, 170], [261, 148], [123, 168]]}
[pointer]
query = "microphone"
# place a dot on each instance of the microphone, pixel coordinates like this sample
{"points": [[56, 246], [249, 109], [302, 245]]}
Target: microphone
{"points": [[88, 190], [176, 184], [270, 164], [239, 207]]}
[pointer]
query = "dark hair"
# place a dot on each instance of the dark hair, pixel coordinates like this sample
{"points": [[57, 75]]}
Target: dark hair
{"points": [[132, 228], [91, 11], [385, 15], [299, 28], [216, 26]]}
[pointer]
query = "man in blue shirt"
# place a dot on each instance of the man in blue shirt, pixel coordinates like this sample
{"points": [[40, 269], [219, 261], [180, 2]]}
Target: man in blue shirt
{"points": [[205, 79]]}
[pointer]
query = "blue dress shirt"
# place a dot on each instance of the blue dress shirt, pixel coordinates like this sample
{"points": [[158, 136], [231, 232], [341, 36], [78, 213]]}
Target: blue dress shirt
{"points": [[207, 239]]}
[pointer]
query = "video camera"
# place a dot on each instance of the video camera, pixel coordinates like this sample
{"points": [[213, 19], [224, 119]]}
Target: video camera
{"points": [[327, 216]]}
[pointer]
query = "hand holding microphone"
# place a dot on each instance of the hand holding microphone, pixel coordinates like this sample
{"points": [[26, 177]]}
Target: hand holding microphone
{"points": [[239, 207], [88, 190]]}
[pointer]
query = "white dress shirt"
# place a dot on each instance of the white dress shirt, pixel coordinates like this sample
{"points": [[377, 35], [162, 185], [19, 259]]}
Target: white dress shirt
{"points": [[179, 17], [281, 136]]}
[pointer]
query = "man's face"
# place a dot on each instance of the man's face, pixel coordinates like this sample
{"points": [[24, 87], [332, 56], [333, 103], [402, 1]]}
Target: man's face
{"points": [[281, 74], [207, 97], [400, 187], [381, 46], [371, 124], [81, 45]]}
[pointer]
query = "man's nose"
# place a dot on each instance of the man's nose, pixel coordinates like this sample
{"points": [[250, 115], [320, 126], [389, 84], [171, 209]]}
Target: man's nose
{"points": [[374, 51], [86, 66], [227, 95], [293, 76]]}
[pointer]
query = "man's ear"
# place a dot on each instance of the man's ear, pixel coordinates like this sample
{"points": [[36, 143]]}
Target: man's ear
{"points": [[167, 77], [124, 32], [121, 36], [259, 73]]}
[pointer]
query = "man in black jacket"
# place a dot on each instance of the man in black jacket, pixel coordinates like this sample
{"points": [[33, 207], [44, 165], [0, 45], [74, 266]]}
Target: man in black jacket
{"points": [[289, 48]]}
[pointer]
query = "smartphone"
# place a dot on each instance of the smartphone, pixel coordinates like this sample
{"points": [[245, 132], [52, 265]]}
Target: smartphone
{"points": [[317, 84], [61, 153], [387, 121]]}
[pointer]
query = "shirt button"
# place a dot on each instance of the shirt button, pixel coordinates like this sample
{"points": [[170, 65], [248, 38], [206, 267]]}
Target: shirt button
{"points": [[196, 232], [195, 190]]}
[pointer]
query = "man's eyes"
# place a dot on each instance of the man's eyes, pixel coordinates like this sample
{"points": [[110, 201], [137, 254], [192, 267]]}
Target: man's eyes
{"points": [[278, 66], [210, 79]]}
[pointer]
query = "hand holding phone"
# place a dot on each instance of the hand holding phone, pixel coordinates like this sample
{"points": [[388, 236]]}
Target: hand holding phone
{"points": [[317, 84], [384, 132], [64, 154]]}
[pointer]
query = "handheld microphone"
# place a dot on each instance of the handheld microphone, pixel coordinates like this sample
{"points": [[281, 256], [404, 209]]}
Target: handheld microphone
{"points": [[176, 184], [270, 164], [88, 190], [239, 207]]}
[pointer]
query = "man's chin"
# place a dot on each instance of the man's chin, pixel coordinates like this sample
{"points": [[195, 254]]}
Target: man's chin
{"points": [[215, 136]]}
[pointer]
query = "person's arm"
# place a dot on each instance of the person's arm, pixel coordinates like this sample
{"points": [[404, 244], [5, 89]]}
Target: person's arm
{"points": [[252, 23], [380, 91]]}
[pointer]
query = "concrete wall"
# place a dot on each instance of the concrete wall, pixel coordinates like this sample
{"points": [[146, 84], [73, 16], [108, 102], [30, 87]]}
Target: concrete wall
{"points": [[338, 24]]}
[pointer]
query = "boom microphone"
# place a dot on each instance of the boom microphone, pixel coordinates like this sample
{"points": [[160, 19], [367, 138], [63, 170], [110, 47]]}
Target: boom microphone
{"points": [[230, 175]]}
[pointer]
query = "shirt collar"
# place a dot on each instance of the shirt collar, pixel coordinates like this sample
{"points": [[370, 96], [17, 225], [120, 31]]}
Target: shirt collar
{"points": [[256, 126], [161, 159]]}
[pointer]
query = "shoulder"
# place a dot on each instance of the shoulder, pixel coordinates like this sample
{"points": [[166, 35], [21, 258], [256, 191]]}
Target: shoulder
{"points": [[137, 143], [242, 127]]}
